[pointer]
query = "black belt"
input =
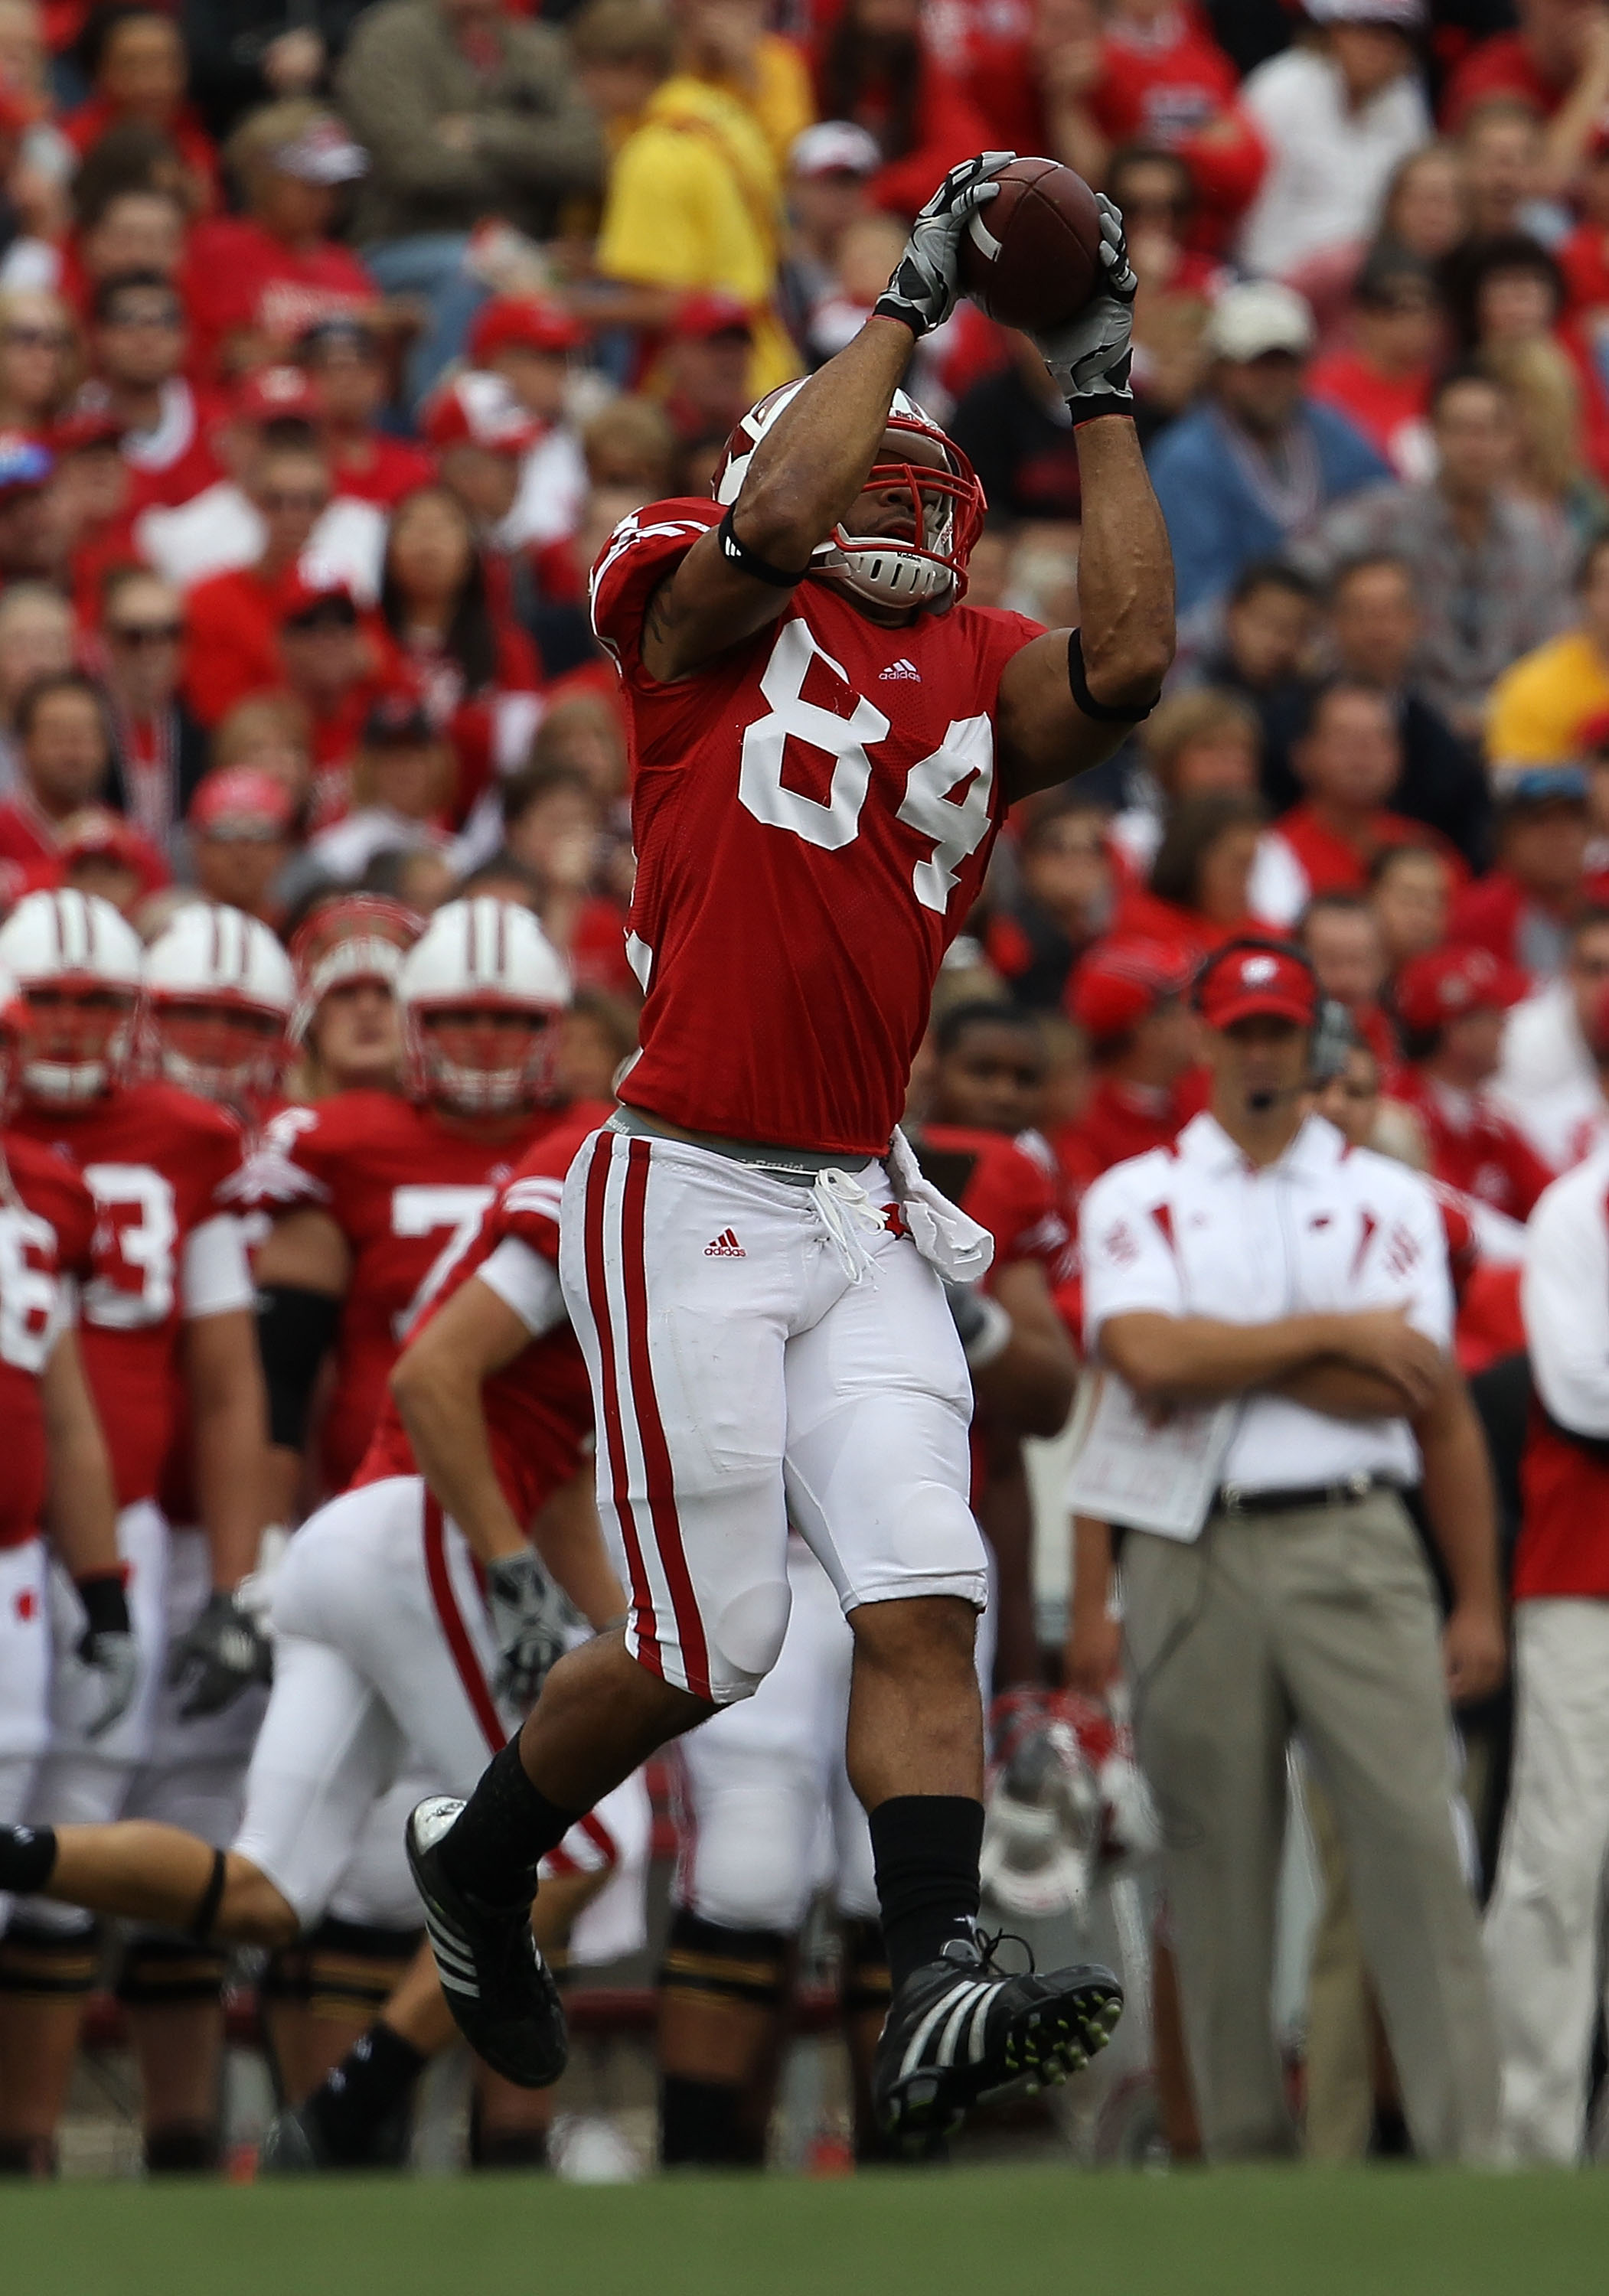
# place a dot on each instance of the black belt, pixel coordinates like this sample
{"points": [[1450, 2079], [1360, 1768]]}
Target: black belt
{"points": [[1232, 1500]]}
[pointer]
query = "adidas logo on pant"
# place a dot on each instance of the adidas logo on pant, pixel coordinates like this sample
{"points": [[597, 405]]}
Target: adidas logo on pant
{"points": [[725, 1246]]}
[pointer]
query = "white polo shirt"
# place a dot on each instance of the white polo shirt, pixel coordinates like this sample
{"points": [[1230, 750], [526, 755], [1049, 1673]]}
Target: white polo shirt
{"points": [[1196, 1230], [1565, 1297]]}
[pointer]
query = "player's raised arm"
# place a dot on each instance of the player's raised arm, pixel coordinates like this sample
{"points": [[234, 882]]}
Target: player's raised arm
{"points": [[1069, 698], [814, 460]]}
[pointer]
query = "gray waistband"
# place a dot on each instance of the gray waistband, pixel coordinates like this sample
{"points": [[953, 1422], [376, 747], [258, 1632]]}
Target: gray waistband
{"points": [[798, 1164]]}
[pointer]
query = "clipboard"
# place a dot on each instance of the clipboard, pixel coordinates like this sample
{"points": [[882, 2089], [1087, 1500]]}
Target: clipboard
{"points": [[1148, 1477]]}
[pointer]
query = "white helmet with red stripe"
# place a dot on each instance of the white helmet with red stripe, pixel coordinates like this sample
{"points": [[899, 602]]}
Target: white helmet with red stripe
{"points": [[219, 992], [78, 966], [947, 505], [354, 937], [480, 991]]}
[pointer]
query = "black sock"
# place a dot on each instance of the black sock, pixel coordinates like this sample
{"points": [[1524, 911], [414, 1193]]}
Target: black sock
{"points": [[506, 1828], [368, 2087], [28, 1858], [698, 2123], [926, 1850], [183, 2148]]}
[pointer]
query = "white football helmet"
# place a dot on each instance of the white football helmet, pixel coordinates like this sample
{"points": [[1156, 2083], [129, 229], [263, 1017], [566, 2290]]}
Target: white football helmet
{"points": [[78, 966], [219, 992], [354, 937], [482, 959], [946, 511]]}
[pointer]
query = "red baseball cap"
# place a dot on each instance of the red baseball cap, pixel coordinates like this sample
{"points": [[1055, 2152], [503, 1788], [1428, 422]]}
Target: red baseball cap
{"points": [[1118, 982], [242, 801], [275, 394], [702, 317], [480, 410], [1447, 983], [1265, 982], [531, 323], [304, 597]]}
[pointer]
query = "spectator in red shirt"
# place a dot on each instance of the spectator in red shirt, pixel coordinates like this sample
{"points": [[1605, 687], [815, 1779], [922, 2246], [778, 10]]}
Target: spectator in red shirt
{"points": [[452, 635], [553, 825], [242, 824], [31, 538], [64, 754], [1199, 894], [1342, 935], [1521, 911], [480, 435], [1129, 995], [330, 662], [1584, 257], [37, 635], [1559, 61], [530, 342], [1348, 760], [1501, 142], [233, 644], [1507, 298], [1382, 380], [37, 342], [1411, 890], [341, 357], [1062, 901], [1163, 79], [876, 71], [1452, 1005], [139, 345], [159, 751], [134, 57], [90, 504], [123, 225], [261, 279]]}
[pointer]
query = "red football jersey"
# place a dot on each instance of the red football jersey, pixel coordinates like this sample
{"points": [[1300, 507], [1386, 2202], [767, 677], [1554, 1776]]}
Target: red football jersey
{"points": [[538, 1408], [246, 282], [408, 1193], [1477, 1149], [47, 1220], [155, 1159], [812, 813], [1001, 1184]]}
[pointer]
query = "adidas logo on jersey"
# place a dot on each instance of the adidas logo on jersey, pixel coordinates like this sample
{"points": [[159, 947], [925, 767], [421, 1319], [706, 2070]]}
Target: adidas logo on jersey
{"points": [[901, 668], [725, 1246]]}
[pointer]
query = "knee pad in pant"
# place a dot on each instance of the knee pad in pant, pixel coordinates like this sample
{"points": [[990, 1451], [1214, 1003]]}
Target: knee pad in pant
{"points": [[744, 1966], [49, 1965], [353, 1968], [160, 1972], [867, 1985]]}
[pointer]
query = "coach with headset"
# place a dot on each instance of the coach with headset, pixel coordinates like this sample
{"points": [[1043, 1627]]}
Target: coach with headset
{"points": [[1259, 1262]]}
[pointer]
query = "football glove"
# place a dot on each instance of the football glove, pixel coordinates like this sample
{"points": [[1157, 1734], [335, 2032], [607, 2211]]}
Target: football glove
{"points": [[224, 1653], [530, 1616], [923, 289], [107, 1647], [1090, 355]]}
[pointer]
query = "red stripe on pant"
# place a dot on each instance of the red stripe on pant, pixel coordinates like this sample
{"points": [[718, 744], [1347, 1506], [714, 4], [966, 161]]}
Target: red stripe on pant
{"points": [[614, 1433], [457, 1634], [650, 1427]]}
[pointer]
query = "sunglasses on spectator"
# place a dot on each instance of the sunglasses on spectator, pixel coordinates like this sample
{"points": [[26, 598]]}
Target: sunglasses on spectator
{"points": [[289, 498], [144, 633], [37, 339]]}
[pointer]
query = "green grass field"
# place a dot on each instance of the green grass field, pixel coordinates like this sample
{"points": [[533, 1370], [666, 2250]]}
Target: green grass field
{"points": [[997, 2232]]}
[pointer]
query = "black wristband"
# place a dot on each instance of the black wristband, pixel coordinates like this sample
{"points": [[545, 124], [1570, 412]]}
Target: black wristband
{"points": [[1099, 710], [105, 1602], [737, 553]]}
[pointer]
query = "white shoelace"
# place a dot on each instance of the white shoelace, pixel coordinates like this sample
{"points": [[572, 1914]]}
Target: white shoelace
{"points": [[849, 1216]]}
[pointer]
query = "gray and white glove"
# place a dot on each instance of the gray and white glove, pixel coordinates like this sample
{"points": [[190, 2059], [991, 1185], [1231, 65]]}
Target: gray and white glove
{"points": [[223, 1654], [1090, 355], [923, 289], [981, 1324], [107, 1647], [529, 1619]]}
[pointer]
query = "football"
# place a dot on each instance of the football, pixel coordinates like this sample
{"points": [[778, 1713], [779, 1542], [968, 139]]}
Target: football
{"points": [[1031, 258]]}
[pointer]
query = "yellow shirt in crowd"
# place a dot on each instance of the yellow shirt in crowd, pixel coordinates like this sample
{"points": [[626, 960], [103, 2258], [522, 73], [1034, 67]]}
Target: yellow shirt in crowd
{"points": [[1539, 706], [694, 200], [780, 95]]}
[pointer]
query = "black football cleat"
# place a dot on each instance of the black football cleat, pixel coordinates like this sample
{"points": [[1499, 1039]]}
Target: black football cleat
{"points": [[500, 1991], [960, 2032]]}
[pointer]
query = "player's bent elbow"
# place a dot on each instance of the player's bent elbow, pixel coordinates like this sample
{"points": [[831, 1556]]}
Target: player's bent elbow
{"points": [[1126, 671]]}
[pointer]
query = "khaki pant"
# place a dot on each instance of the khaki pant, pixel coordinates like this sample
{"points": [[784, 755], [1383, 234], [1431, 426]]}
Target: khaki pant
{"points": [[1321, 1620]]}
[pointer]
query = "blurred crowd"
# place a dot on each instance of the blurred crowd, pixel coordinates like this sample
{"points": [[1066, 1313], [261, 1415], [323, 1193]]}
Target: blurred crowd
{"points": [[336, 339]]}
